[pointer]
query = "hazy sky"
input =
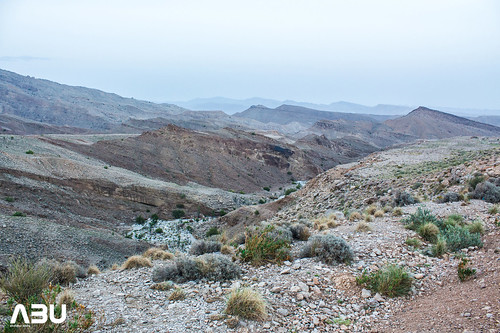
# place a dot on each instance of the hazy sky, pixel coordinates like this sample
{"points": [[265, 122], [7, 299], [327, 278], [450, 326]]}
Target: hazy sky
{"points": [[424, 52]]}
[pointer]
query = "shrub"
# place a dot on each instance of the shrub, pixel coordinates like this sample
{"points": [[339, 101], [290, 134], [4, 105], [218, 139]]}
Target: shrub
{"points": [[464, 272], [300, 231], [363, 227], [178, 213], [371, 209], [290, 190], [421, 217], [30, 152], [93, 270], [212, 232], [486, 191], [140, 220], [475, 180], [162, 286], [200, 247], [246, 303], [403, 199], [459, 238], [226, 249], [157, 253], [429, 232], [450, 197], [136, 262], [397, 211], [493, 210], [66, 297], [159, 230], [391, 280], [177, 295], [354, 216], [476, 227], [266, 188], [378, 213], [64, 273], [19, 214], [415, 242], [328, 248], [264, 245], [25, 280], [440, 247], [10, 199], [215, 267], [387, 209]]}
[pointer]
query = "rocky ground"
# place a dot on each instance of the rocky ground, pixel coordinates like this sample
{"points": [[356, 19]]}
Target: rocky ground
{"points": [[304, 294]]}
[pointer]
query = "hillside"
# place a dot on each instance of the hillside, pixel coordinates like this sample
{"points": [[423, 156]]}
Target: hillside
{"points": [[424, 123]]}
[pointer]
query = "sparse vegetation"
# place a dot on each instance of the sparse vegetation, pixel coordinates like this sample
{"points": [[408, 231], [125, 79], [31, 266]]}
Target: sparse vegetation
{"points": [[163, 286], [177, 295], [476, 227], [29, 152], [93, 270], [25, 280], [368, 218], [290, 190], [264, 245], [363, 227], [200, 247], [415, 242], [66, 297], [488, 191], [378, 213], [391, 280], [246, 303], [328, 248], [136, 262], [421, 217], [212, 231], [140, 220], [464, 271], [494, 210], [354, 216], [397, 211], [371, 210], [300, 231], [9, 199], [459, 238], [440, 247], [403, 199], [19, 214], [157, 253], [178, 213], [215, 267]]}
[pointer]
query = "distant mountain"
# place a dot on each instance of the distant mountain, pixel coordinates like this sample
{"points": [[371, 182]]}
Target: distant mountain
{"points": [[492, 120], [286, 114], [62, 105], [424, 123], [17, 125]]}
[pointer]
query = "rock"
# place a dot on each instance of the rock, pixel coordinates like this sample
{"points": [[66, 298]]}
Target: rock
{"points": [[276, 290], [419, 276], [365, 293], [304, 287], [283, 312], [295, 289], [285, 271], [378, 297]]}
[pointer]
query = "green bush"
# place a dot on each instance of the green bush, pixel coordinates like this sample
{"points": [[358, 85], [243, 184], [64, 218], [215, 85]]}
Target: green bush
{"points": [[391, 280], [25, 280], [140, 220], [215, 267], [429, 232], [212, 232], [10, 199], [328, 248], [19, 214], [459, 238], [178, 213], [264, 245], [289, 191], [30, 152], [266, 188], [419, 218]]}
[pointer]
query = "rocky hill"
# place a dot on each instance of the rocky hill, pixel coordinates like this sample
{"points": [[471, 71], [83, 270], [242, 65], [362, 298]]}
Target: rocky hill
{"points": [[424, 123]]}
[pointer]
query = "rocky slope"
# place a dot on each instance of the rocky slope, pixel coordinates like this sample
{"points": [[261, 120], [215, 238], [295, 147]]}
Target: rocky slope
{"points": [[310, 296]]}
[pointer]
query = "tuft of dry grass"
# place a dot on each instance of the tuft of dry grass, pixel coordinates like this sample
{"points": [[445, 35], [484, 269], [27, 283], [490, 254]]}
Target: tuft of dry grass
{"points": [[157, 253], [66, 297], [323, 222], [371, 210], [162, 286], [115, 267], [246, 303], [136, 262], [226, 249], [363, 227], [378, 213], [177, 295], [368, 218], [397, 211], [93, 270], [354, 216]]}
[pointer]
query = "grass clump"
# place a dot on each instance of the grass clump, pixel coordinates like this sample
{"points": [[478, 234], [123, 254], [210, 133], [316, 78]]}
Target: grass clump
{"points": [[476, 227], [246, 303], [494, 210], [328, 248], [391, 280], [368, 218], [363, 227], [25, 280], [177, 295], [371, 210], [378, 213], [226, 249], [93, 270], [325, 222], [212, 231], [429, 232], [415, 242], [162, 286], [354, 216], [200, 247], [300, 231], [66, 297], [265, 245], [157, 253], [136, 262], [214, 267], [440, 247], [397, 211]]}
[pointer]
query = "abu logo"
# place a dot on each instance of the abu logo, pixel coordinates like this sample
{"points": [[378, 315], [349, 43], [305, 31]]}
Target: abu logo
{"points": [[39, 314]]}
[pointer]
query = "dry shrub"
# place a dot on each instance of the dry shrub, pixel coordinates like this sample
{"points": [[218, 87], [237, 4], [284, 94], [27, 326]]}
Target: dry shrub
{"points": [[136, 262], [300, 231], [157, 253], [354, 216], [66, 297], [246, 303], [93, 270], [324, 222], [363, 227]]}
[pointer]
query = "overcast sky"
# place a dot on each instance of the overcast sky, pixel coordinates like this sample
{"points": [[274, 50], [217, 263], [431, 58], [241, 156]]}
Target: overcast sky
{"points": [[425, 52]]}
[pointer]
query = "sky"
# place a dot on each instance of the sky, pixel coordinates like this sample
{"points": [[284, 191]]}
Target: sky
{"points": [[425, 52]]}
